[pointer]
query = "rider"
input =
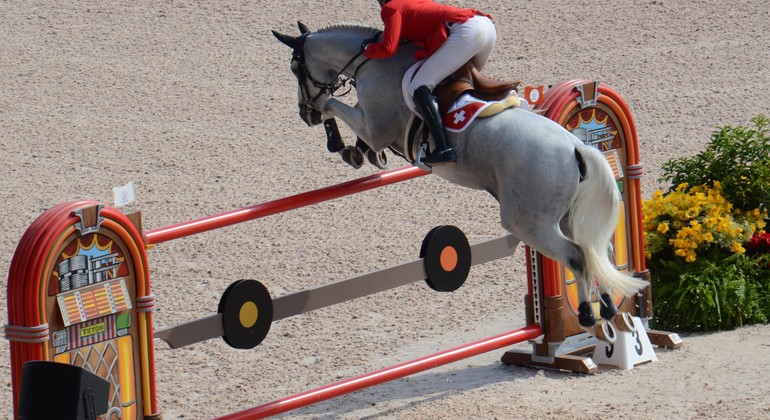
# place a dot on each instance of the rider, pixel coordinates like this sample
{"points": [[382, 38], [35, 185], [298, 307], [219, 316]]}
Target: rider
{"points": [[449, 37]]}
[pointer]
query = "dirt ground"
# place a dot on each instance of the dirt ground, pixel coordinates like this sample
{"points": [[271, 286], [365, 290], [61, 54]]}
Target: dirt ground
{"points": [[194, 102]]}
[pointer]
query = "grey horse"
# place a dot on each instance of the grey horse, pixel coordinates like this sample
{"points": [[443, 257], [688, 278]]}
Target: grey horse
{"points": [[556, 194]]}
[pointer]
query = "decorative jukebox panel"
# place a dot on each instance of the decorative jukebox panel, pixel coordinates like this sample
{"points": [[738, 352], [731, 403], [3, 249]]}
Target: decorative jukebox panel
{"points": [[93, 319], [80, 273], [599, 117]]}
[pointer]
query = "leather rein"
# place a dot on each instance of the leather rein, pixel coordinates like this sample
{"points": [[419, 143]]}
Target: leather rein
{"points": [[330, 87]]}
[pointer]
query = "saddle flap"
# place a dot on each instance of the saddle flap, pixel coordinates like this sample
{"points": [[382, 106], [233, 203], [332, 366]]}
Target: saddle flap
{"points": [[486, 85], [468, 79]]}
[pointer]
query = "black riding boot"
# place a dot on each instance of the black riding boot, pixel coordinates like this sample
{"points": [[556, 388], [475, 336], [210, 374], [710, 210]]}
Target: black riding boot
{"points": [[428, 107]]}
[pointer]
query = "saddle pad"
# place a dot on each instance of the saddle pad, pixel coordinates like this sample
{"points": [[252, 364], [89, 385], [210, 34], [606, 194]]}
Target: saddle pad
{"points": [[467, 108]]}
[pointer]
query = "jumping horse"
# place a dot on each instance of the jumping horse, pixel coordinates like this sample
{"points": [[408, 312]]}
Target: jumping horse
{"points": [[555, 193]]}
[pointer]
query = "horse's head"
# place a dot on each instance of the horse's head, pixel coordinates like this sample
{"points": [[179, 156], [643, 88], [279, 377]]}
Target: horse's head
{"points": [[313, 90], [323, 62]]}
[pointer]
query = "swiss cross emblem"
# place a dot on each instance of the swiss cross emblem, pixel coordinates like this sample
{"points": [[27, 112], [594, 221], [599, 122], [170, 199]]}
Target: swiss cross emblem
{"points": [[458, 119]]}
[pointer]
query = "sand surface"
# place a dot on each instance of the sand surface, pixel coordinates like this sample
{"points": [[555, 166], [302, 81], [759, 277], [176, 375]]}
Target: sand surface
{"points": [[195, 103]]}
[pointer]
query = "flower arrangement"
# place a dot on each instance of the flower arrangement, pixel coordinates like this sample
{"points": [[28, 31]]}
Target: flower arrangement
{"points": [[688, 220], [759, 248], [760, 243], [706, 248]]}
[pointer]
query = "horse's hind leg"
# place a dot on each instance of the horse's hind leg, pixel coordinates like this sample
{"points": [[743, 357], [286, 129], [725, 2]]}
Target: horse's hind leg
{"points": [[551, 242], [560, 248], [608, 309]]}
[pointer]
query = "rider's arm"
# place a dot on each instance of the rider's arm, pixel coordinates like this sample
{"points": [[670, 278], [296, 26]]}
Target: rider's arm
{"points": [[390, 36]]}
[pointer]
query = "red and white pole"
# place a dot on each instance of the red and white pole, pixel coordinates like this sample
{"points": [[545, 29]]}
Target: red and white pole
{"points": [[257, 211], [388, 374]]}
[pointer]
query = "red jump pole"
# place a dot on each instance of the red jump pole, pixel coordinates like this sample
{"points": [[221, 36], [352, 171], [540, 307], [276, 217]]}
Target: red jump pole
{"points": [[388, 374], [257, 211]]}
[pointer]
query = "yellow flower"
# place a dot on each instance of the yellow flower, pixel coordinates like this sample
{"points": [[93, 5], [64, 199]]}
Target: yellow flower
{"points": [[663, 227], [688, 220]]}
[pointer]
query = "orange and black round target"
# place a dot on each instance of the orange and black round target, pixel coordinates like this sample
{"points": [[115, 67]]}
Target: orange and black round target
{"points": [[446, 254], [247, 313]]}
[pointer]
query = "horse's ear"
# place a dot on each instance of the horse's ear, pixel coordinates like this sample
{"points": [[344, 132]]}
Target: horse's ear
{"points": [[303, 29], [291, 41]]}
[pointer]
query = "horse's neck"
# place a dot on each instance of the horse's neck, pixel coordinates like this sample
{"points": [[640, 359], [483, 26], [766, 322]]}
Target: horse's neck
{"points": [[337, 49], [380, 96]]}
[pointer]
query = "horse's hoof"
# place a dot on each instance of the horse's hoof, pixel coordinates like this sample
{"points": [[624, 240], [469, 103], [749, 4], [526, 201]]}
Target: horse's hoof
{"points": [[333, 138], [625, 322], [352, 156], [379, 160], [607, 309], [605, 331], [586, 316]]}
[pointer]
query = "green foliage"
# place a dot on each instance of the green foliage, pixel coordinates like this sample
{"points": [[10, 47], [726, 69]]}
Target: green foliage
{"points": [[738, 157], [713, 288], [712, 294]]}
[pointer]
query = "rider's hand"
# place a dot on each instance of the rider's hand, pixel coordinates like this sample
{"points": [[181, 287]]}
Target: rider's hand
{"points": [[371, 40], [367, 42]]}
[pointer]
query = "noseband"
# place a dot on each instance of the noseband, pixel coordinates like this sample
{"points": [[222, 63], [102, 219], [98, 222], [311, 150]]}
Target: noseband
{"points": [[330, 87]]}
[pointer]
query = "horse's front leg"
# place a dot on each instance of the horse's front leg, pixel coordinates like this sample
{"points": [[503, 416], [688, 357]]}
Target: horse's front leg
{"points": [[353, 117]]}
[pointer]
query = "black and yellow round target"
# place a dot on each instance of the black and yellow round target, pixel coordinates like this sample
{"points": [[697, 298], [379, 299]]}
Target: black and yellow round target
{"points": [[247, 313], [446, 254]]}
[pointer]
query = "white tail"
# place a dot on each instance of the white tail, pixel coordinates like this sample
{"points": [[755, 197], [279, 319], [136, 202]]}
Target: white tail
{"points": [[593, 216]]}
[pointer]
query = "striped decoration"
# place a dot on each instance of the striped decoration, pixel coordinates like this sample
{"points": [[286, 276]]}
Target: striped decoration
{"points": [[635, 171], [92, 332], [614, 160], [104, 299], [146, 303], [37, 334]]}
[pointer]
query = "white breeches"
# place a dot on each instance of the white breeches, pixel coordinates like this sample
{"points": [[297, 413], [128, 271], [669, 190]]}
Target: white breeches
{"points": [[470, 40]]}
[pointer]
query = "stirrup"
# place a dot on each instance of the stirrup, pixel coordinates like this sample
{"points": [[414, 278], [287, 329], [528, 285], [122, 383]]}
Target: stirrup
{"points": [[418, 160], [441, 157]]}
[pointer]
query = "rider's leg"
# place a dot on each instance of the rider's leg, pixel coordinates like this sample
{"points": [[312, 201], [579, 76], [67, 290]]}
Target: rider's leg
{"points": [[427, 106], [484, 30], [473, 39]]}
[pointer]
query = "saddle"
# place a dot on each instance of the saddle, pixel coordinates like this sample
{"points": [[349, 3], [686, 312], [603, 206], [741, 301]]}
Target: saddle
{"points": [[468, 79], [490, 96]]}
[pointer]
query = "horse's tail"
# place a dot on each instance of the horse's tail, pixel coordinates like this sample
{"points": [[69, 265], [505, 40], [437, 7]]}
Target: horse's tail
{"points": [[593, 216]]}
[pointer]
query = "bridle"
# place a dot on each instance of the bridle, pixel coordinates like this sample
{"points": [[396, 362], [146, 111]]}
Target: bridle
{"points": [[330, 87]]}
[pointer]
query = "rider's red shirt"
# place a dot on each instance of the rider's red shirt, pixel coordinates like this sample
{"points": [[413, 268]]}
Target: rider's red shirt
{"points": [[421, 21]]}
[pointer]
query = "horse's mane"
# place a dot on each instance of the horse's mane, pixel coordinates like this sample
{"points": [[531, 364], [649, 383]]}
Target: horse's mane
{"points": [[349, 27]]}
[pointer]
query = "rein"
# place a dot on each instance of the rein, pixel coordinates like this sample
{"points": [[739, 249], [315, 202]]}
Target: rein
{"points": [[333, 85]]}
